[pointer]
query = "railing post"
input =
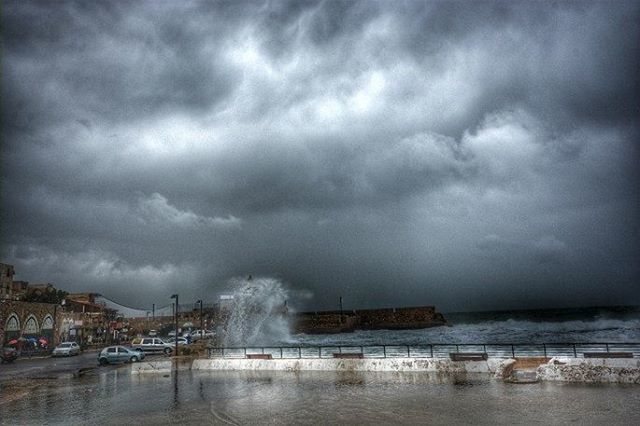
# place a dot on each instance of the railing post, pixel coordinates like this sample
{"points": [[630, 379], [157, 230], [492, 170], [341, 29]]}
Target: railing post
{"points": [[513, 351], [281, 352], [384, 351], [457, 348], [575, 353], [245, 352], [431, 348], [607, 347], [408, 351], [319, 351], [299, 352], [362, 350]]}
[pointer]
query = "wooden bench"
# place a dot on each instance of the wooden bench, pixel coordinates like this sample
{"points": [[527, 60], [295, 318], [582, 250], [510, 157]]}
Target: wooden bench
{"points": [[608, 354], [468, 356], [259, 356], [349, 355]]}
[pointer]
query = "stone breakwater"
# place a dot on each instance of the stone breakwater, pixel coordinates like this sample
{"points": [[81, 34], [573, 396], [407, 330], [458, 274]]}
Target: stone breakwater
{"points": [[595, 370], [367, 319]]}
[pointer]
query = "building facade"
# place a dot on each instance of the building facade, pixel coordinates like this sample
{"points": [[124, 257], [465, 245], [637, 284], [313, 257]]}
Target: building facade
{"points": [[29, 321], [6, 281]]}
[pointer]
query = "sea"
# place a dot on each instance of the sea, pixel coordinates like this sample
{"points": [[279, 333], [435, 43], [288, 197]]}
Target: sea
{"points": [[617, 324]]}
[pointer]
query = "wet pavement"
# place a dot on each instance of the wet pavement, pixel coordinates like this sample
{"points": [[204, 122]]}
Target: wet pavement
{"points": [[52, 367], [115, 396], [47, 366]]}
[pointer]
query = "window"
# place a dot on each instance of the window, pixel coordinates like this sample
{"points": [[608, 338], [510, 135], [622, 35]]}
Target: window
{"points": [[12, 323], [111, 350], [147, 341], [31, 327], [47, 323]]}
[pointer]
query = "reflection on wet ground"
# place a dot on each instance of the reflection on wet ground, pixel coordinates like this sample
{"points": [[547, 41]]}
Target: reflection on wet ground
{"points": [[185, 397]]}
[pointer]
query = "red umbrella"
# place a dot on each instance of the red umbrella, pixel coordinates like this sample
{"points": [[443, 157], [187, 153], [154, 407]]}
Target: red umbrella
{"points": [[12, 342]]}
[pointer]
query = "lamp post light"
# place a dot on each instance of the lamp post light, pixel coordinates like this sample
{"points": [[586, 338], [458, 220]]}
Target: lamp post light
{"points": [[201, 320], [175, 296]]}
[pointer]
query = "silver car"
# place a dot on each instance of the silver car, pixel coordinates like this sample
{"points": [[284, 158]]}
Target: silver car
{"points": [[119, 354], [66, 349]]}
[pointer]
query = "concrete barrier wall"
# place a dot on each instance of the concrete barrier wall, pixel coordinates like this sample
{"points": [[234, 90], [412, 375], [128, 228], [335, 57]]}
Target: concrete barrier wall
{"points": [[330, 364], [595, 370], [592, 370]]}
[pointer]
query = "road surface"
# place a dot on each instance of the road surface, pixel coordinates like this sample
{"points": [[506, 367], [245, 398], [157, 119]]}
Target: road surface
{"points": [[50, 367]]}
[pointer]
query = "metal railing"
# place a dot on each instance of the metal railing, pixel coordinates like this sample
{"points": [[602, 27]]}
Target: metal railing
{"points": [[494, 350]]}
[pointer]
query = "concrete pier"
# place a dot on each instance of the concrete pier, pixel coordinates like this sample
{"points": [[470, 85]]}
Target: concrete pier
{"points": [[445, 366]]}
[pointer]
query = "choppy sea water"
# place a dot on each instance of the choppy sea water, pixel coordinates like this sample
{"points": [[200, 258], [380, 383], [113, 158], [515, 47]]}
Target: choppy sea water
{"points": [[315, 398], [583, 325]]}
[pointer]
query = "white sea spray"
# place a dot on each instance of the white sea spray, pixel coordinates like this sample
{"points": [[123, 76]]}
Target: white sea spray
{"points": [[258, 313]]}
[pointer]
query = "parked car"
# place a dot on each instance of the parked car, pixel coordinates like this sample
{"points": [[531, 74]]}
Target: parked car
{"points": [[66, 349], [201, 334], [119, 354], [151, 344], [181, 341], [8, 354]]}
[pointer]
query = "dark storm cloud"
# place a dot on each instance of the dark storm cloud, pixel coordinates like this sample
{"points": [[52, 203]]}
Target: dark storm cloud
{"points": [[464, 154]]}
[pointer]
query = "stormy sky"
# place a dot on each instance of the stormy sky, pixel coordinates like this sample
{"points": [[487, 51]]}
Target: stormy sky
{"points": [[471, 155]]}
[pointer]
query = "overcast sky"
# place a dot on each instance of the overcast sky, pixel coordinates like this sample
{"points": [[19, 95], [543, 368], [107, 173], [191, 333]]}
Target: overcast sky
{"points": [[468, 155]]}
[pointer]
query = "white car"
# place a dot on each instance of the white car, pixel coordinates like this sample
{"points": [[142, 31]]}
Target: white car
{"points": [[181, 341], [66, 349], [151, 344], [200, 334]]}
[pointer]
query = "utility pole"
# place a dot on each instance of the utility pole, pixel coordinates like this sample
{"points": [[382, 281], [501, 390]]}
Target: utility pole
{"points": [[175, 296], [201, 320], [153, 311]]}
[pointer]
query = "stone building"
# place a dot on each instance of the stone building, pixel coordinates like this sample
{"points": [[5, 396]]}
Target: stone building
{"points": [[19, 289], [74, 317], [29, 320], [86, 321], [6, 281]]}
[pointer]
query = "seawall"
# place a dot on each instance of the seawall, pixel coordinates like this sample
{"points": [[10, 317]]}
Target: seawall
{"points": [[558, 369], [367, 319], [444, 366], [592, 370]]}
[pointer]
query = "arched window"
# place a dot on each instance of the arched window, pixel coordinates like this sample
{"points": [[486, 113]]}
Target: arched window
{"points": [[47, 323], [13, 323], [31, 326]]}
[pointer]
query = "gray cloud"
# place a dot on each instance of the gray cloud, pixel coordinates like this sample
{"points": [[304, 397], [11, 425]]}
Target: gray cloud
{"points": [[452, 153]]}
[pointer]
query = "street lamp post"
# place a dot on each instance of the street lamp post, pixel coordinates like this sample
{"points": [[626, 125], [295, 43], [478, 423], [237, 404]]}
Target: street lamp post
{"points": [[175, 296], [201, 320]]}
